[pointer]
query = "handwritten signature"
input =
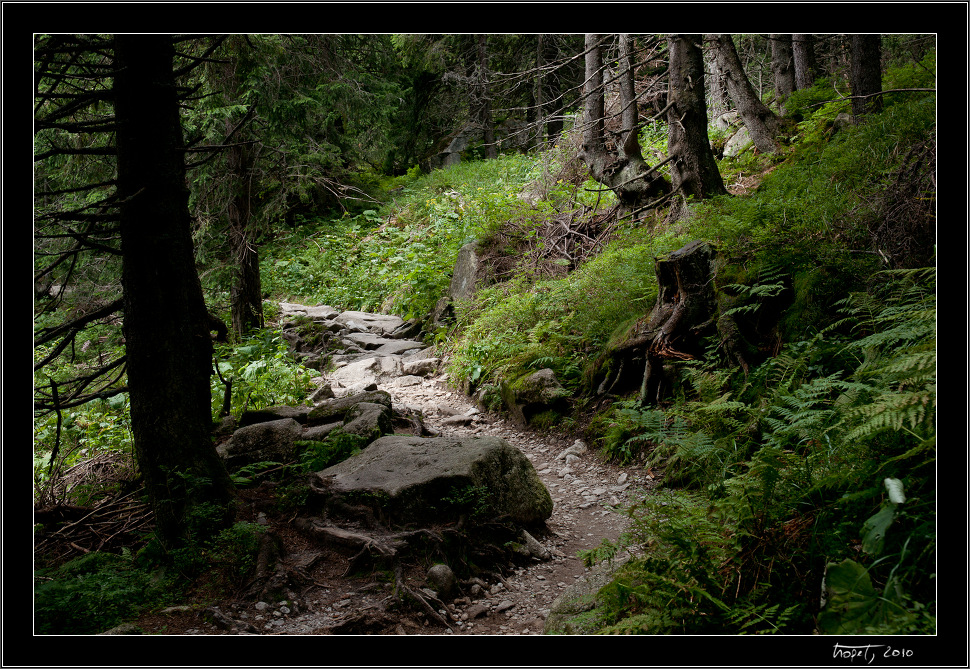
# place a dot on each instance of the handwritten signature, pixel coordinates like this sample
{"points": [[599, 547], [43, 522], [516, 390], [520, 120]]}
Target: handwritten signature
{"points": [[868, 652]]}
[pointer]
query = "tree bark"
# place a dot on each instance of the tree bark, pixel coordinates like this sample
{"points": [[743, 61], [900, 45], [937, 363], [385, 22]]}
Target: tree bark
{"points": [[694, 170], [866, 73], [782, 67], [553, 103], [683, 313], [761, 122], [803, 54], [246, 293], [621, 169], [485, 102], [168, 348]]}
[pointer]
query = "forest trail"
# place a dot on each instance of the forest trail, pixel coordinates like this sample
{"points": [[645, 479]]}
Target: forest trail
{"points": [[589, 496]]}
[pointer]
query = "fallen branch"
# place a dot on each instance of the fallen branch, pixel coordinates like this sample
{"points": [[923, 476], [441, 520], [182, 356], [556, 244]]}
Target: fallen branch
{"points": [[420, 598]]}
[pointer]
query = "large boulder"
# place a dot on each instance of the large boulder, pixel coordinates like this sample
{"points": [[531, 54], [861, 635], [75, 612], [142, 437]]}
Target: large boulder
{"points": [[738, 143], [267, 441], [415, 480], [336, 410], [366, 371]]}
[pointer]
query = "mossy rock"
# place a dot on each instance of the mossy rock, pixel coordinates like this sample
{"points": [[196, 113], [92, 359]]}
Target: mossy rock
{"points": [[412, 479], [579, 609], [533, 394], [336, 410]]}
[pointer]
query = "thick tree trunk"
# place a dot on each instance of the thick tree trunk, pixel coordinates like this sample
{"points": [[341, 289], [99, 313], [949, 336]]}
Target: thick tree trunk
{"points": [[866, 73], [783, 69], [168, 349], [803, 55], [761, 122], [621, 169], [693, 170]]}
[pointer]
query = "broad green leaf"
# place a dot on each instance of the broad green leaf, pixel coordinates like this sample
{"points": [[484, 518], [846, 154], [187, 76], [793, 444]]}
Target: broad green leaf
{"points": [[874, 530], [851, 599]]}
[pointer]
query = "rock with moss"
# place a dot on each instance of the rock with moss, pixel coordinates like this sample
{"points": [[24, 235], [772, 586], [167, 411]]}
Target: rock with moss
{"points": [[262, 442], [368, 420], [335, 410], [417, 480], [266, 414], [579, 609], [533, 395]]}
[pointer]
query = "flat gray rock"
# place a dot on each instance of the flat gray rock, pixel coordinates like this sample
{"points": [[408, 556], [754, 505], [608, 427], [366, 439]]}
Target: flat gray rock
{"points": [[368, 370], [412, 479], [377, 323]]}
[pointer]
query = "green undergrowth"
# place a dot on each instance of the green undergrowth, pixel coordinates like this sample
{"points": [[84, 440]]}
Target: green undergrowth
{"points": [[396, 258], [819, 474], [259, 372], [778, 475], [100, 590], [561, 324]]}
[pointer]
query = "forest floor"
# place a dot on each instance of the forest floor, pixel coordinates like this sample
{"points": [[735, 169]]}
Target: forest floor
{"points": [[589, 499]]}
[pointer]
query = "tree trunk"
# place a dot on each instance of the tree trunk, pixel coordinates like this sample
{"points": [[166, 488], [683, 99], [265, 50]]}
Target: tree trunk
{"points": [[866, 73], [167, 343], [803, 54], [719, 100], [693, 170], [485, 102], [782, 67], [623, 169], [246, 294], [761, 122], [629, 146], [552, 101], [683, 313], [594, 106]]}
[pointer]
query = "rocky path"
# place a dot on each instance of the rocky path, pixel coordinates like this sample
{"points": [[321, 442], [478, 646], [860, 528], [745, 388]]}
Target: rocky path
{"points": [[589, 496]]}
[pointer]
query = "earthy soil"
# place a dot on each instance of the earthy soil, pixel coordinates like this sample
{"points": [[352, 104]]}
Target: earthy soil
{"points": [[589, 498]]}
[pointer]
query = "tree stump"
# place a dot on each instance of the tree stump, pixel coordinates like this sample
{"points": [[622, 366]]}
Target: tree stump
{"points": [[684, 312]]}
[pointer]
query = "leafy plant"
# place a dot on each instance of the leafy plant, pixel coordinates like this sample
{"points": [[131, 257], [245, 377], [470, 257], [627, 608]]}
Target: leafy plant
{"points": [[470, 500], [95, 592], [337, 447], [262, 373]]}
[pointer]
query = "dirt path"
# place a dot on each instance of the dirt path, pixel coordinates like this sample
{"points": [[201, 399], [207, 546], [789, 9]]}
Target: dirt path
{"points": [[588, 497], [588, 494]]}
